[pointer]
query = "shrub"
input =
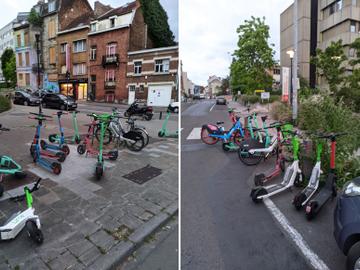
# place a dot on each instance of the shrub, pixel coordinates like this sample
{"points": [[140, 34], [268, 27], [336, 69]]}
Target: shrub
{"points": [[280, 111], [5, 104], [250, 99]]}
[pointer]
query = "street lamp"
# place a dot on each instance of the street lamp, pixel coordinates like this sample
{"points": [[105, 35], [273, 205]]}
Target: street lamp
{"points": [[291, 54], [38, 51]]}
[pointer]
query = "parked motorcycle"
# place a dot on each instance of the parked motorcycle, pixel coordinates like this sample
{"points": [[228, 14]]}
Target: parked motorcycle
{"points": [[136, 109]]}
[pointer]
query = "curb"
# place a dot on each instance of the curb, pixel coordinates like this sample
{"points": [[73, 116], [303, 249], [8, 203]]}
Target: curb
{"points": [[122, 250]]}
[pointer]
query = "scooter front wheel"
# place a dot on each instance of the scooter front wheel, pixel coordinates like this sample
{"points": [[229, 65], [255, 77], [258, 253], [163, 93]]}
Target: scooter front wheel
{"points": [[65, 149], [1, 190], [77, 139], [81, 149], [43, 144], [99, 171], [52, 138], [299, 199], [56, 168], [310, 210], [60, 156], [34, 232], [256, 193], [161, 134]]}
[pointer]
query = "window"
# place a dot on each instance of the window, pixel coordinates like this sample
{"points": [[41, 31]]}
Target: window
{"points": [[20, 59], [51, 6], [111, 49], [20, 76], [52, 29], [141, 89], [132, 88], [351, 52], [137, 67], [331, 9], [27, 79], [52, 56], [93, 78], [80, 46], [338, 5], [352, 26], [63, 47], [93, 27], [79, 69], [18, 41], [110, 75], [93, 53], [162, 65], [26, 39], [27, 59], [112, 22]]}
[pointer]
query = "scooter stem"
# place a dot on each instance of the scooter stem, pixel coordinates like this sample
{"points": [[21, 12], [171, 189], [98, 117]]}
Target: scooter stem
{"points": [[29, 199], [333, 153]]}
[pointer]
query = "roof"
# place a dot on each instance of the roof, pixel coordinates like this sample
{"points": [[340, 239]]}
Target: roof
{"points": [[80, 21], [127, 8], [44, 8]]}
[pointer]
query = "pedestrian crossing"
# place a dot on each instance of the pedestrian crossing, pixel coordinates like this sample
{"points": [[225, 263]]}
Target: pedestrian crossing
{"points": [[195, 134]]}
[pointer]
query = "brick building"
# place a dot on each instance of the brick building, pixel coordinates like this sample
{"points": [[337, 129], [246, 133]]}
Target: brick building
{"points": [[112, 35], [57, 16], [151, 71]]}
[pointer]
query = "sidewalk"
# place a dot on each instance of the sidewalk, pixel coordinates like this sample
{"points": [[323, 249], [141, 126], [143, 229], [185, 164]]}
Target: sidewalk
{"points": [[88, 224]]}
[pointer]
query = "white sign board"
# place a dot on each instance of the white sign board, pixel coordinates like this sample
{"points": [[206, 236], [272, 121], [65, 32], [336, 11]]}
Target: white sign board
{"points": [[265, 95], [159, 95]]}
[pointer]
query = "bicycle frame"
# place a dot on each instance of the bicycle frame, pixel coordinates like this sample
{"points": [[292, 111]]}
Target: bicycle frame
{"points": [[226, 136]]}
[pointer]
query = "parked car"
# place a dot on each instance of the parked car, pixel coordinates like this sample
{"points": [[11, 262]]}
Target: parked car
{"points": [[174, 107], [58, 101], [347, 223], [24, 98], [220, 101]]}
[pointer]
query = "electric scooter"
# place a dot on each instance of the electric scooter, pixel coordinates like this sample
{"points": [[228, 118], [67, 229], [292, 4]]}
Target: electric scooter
{"points": [[62, 145], [85, 146], [38, 155], [9, 166], [328, 191], [261, 179], [163, 131], [76, 139], [306, 194], [293, 176], [25, 219]]}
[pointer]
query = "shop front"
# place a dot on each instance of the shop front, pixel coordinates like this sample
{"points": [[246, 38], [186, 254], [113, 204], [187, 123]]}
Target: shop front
{"points": [[77, 89]]}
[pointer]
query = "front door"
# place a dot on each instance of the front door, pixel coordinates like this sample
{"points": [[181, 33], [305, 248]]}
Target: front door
{"points": [[131, 94]]}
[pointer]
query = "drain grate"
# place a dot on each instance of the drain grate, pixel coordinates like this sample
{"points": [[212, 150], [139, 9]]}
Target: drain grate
{"points": [[143, 175], [11, 182]]}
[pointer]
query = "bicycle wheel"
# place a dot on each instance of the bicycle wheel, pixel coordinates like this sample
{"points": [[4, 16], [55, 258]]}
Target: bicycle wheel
{"points": [[138, 143], [245, 156], [144, 134], [237, 138], [206, 138], [107, 135]]}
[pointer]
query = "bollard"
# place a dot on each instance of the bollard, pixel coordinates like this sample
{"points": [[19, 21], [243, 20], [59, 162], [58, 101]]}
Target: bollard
{"points": [[160, 116]]}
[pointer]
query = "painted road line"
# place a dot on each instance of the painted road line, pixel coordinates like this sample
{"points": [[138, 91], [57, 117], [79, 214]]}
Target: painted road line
{"points": [[195, 134], [154, 155], [212, 107], [295, 236]]}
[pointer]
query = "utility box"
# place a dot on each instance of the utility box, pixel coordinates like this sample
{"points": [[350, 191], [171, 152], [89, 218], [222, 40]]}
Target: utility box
{"points": [[159, 95]]}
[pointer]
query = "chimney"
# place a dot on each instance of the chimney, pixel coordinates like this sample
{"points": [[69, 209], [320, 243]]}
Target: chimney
{"points": [[100, 9]]}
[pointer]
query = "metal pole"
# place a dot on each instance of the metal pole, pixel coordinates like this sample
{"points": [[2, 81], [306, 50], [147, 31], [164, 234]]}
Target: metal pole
{"points": [[37, 38], [291, 84], [295, 63]]}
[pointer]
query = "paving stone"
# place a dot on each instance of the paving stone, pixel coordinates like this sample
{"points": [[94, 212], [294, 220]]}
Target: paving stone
{"points": [[34, 264], [87, 228], [49, 198], [4, 266], [102, 240], [80, 247], [130, 222], [64, 261], [90, 256], [108, 223]]}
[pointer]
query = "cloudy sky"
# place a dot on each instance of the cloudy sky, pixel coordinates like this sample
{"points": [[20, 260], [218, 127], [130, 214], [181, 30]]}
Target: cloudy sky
{"points": [[208, 32], [10, 8]]}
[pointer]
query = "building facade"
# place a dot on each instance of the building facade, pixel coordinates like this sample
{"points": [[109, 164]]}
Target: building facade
{"points": [[6, 41], [25, 53], [214, 85], [152, 70], [320, 23], [112, 35]]}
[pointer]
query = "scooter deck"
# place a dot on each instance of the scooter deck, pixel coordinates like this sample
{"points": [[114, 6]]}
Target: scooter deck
{"points": [[325, 193]]}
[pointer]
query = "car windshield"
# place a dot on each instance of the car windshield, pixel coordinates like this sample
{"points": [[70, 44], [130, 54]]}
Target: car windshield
{"points": [[65, 98]]}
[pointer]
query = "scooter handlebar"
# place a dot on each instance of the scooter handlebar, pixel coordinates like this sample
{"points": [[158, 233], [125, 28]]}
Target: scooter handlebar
{"points": [[42, 115]]}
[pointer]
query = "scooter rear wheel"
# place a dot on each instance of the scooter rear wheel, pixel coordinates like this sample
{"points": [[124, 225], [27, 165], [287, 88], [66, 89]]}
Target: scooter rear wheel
{"points": [[77, 139], [1, 190], [161, 134], [34, 233], [60, 156], [56, 168], [299, 199], [256, 193], [52, 138], [81, 149], [43, 144], [99, 171], [310, 210], [65, 149]]}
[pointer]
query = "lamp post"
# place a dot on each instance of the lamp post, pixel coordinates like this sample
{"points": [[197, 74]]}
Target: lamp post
{"points": [[38, 51], [291, 55]]}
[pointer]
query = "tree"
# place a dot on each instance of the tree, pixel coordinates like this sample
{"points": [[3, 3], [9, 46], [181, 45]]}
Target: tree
{"points": [[225, 85], [329, 64], [8, 66], [157, 20], [34, 18], [252, 58]]}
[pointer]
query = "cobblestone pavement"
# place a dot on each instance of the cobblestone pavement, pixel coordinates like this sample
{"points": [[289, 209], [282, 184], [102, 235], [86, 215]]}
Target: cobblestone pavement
{"points": [[88, 224]]}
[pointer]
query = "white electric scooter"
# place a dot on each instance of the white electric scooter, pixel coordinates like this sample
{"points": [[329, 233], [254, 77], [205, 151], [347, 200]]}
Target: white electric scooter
{"points": [[293, 176], [27, 218]]}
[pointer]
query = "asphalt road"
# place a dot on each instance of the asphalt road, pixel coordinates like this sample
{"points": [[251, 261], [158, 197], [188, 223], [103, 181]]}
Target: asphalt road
{"points": [[221, 228]]}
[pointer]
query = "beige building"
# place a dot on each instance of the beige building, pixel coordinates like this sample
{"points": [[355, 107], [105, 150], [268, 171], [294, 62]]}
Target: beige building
{"points": [[320, 22], [214, 85]]}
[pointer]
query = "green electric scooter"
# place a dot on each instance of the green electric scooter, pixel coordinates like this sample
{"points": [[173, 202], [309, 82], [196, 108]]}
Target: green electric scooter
{"points": [[163, 131], [76, 139]]}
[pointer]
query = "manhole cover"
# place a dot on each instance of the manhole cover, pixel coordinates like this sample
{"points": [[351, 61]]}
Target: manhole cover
{"points": [[143, 175], [11, 182]]}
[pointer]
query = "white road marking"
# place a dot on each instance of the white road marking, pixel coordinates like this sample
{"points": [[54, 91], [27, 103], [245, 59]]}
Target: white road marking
{"points": [[160, 151], [195, 134], [154, 155], [212, 107], [295, 236]]}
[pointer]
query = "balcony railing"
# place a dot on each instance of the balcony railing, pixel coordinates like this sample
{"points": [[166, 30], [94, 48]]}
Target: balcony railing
{"points": [[110, 59], [110, 84]]}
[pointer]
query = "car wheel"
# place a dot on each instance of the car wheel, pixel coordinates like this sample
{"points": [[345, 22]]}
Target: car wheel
{"points": [[26, 103], [353, 258], [176, 110], [62, 107]]}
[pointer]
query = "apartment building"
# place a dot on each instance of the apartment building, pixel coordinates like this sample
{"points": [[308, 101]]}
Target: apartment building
{"points": [[214, 85], [6, 41], [152, 73], [57, 16], [25, 52], [112, 35], [320, 23]]}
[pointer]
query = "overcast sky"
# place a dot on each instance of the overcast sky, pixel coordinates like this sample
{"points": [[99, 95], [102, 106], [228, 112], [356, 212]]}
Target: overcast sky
{"points": [[208, 32], [10, 8]]}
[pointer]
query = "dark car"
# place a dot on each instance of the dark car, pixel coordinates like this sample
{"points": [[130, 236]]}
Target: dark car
{"points": [[347, 222], [58, 101], [24, 98], [221, 101]]}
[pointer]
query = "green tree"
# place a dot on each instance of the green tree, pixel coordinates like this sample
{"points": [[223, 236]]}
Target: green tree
{"points": [[34, 18], [8, 66], [225, 85], [329, 64], [252, 58], [157, 20]]}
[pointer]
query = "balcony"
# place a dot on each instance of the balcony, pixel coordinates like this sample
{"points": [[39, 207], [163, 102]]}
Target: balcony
{"points": [[110, 84], [109, 60]]}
